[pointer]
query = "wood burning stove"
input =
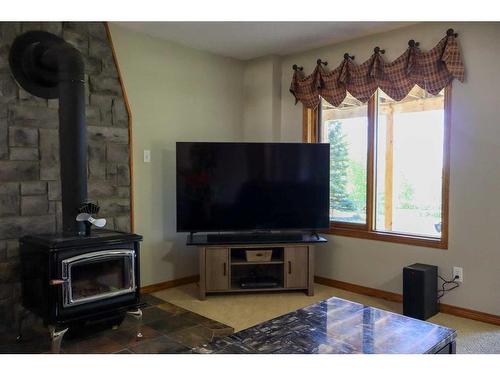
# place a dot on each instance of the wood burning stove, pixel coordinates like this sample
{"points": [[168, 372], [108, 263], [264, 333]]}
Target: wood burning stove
{"points": [[77, 276], [71, 279]]}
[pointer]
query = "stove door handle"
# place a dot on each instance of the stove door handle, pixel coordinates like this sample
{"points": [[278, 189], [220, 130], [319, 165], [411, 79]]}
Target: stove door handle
{"points": [[55, 282]]}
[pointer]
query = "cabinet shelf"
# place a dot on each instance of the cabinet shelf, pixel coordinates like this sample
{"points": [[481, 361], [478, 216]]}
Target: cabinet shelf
{"points": [[238, 257], [237, 288], [245, 263]]}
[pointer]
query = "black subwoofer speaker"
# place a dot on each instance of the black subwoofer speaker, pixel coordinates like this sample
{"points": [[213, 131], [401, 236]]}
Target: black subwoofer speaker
{"points": [[420, 291]]}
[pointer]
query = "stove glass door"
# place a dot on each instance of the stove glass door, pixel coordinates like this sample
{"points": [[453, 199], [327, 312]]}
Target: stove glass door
{"points": [[98, 275]]}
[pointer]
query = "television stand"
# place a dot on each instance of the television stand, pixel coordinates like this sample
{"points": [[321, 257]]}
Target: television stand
{"points": [[224, 267]]}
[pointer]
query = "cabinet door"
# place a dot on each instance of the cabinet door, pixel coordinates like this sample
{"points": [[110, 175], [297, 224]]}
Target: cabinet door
{"points": [[296, 267], [217, 268]]}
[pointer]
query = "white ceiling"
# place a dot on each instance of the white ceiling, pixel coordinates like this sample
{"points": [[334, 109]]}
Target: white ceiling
{"points": [[249, 40]]}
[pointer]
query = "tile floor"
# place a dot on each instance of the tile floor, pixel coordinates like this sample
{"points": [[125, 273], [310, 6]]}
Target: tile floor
{"points": [[165, 327]]}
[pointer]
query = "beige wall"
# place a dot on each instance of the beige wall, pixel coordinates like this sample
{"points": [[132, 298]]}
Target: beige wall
{"points": [[475, 170], [175, 94], [262, 99]]}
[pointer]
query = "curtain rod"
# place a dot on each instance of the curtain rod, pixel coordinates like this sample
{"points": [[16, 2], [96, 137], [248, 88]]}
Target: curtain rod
{"points": [[411, 43]]}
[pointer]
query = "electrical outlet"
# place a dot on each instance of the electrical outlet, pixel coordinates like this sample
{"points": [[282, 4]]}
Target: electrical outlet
{"points": [[147, 156], [458, 271]]}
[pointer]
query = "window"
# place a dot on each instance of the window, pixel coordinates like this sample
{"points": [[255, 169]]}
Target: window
{"points": [[346, 129], [389, 166]]}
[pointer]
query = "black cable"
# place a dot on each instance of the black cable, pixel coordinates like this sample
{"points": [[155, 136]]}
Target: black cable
{"points": [[446, 282], [444, 290]]}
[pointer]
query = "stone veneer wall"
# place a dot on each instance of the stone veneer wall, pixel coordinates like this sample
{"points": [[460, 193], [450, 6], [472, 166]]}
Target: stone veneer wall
{"points": [[30, 193]]}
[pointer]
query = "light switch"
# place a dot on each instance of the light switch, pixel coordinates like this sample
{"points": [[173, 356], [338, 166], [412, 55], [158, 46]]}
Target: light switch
{"points": [[147, 156]]}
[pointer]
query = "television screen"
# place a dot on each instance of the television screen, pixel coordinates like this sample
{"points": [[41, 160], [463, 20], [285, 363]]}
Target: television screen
{"points": [[252, 186]]}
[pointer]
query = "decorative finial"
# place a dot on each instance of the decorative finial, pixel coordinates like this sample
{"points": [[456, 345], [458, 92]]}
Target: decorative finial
{"points": [[412, 43], [319, 62], [378, 50], [347, 56], [297, 68], [451, 32]]}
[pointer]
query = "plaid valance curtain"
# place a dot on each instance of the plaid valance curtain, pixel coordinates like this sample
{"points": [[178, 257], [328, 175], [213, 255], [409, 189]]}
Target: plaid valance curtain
{"points": [[431, 70]]}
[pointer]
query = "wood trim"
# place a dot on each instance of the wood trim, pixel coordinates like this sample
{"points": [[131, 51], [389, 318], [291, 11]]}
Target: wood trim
{"points": [[310, 128], [470, 314], [400, 238], [359, 289], [445, 204], [306, 126], [130, 139], [358, 227], [169, 284], [370, 166], [396, 297]]}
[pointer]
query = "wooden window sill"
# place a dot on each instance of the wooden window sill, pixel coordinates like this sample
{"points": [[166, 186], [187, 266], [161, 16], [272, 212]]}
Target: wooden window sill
{"points": [[437, 243]]}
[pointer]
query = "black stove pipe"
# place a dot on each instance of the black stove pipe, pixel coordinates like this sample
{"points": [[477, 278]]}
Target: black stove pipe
{"points": [[72, 131], [49, 67]]}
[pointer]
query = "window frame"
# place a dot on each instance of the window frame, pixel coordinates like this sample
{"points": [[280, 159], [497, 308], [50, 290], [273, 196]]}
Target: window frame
{"points": [[311, 129]]}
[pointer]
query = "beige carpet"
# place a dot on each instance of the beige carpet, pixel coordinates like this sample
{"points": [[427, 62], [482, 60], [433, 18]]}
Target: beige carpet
{"points": [[241, 311]]}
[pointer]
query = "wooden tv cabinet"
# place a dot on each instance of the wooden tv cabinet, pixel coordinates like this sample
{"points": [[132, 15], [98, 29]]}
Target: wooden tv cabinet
{"points": [[222, 268]]}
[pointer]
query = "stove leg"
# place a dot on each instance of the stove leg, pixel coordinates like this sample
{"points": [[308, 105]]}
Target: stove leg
{"points": [[137, 315], [56, 337], [21, 315]]}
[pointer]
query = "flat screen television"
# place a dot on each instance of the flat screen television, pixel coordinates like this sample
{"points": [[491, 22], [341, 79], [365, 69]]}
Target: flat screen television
{"points": [[227, 187]]}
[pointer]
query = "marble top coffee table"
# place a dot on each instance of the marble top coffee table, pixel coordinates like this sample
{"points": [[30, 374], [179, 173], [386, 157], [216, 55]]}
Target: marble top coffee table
{"points": [[339, 326]]}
